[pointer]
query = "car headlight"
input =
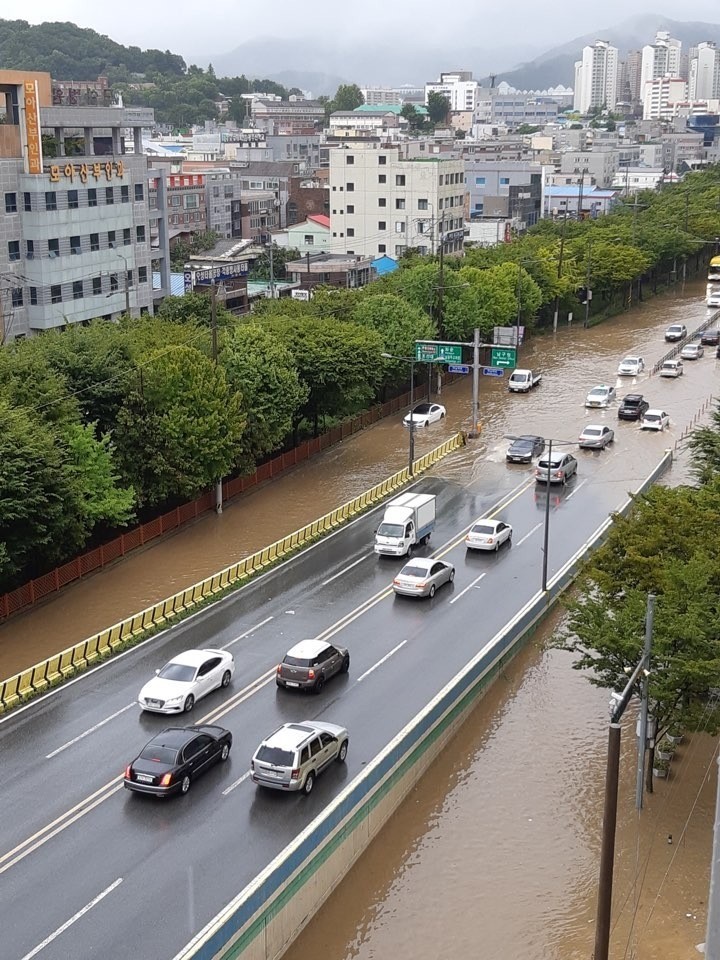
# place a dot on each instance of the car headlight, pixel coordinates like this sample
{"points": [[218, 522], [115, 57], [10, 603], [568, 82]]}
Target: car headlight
{"points": [[172, 700]]}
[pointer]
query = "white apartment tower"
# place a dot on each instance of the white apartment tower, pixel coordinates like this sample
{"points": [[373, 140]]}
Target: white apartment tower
{"points": [[596, 77], [382, 202], [459, 88], [662, 96], [705, 73], [660, 59]]}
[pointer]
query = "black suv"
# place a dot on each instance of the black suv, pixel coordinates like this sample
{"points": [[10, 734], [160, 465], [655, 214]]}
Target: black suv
{"points": [[632, 407]]}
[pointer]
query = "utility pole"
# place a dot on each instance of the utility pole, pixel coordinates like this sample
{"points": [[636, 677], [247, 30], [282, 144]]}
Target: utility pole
{"points": [[642, 739], [411, 453], [272, 273], [712, 937], [586, 322], [546, 531], [213, 328], [474, 432], [441, 278], [519, 307], [127, 291], [559, 272]]}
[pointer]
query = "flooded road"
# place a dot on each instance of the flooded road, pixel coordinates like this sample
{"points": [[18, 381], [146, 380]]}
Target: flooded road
{"points": [[572, 361]]}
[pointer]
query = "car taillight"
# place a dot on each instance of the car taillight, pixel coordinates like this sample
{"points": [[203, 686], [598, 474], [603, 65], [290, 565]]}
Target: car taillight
{"points": [[295, 775], [311, 674], [166, 780], [128, 772]]}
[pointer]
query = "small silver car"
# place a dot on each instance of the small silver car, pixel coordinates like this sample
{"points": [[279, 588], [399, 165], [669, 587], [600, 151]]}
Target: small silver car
{"points": [[692, 351], [488, 535], [672, 368], [558, 470], [308, 664], [422, 577], [595, 437], [292, 757]]}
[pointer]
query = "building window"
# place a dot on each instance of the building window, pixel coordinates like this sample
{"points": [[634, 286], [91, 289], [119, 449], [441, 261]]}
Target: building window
{"points": [[381, 248], [111, 239], [399, 226], [30, 249], [400, 204], [125, 194], [382, 202], [139, 192], [56, 293], [422, 205], [50, 200], [92, 197], [308, 240], [27, 202], [10, 203], [77, 289], [13, 249], [350, 208], [94, 241], [129, 276], [350, 159], [382, 178], [17, 297], [350, 232], [349, 187], [140, 234], [399, 179], [382, 225], [504, 181], [382, 160], [73, 200], [114, 285], [126, 237], [97, 286], [109, 195], [33, 296], [53, 248], [142, 275], [75, 245]]}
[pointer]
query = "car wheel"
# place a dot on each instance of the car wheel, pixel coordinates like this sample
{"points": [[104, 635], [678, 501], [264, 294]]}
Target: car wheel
{"points": [[442, 416], [342, 752], [225, 753], [345, 664], [563, 481], [409, 551], [452, 576], [185, 785], [497, 546], [319, 684], [509, 539], [226, 678], [431, 592], [309, 783], [189, 703], [427, 423]]}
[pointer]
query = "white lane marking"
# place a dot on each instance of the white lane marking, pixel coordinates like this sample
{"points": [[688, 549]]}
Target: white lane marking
{"points": [[344, 570], [528, 535], [578, 487], [90, 730], [237, 783], [468, 587], [381, 661], [249, 691], [68, 923], [248, 632]]}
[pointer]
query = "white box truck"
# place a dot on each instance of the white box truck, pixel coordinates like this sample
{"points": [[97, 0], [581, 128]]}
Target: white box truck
{"points": [[409, 520], [523, 380]]}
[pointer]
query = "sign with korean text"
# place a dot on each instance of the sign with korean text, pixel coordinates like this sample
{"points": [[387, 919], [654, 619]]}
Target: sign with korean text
{"points": [[502, 356], [105, 170], [224, 272], [493, 372], [438, 352], [458, 368], [33, 136]]}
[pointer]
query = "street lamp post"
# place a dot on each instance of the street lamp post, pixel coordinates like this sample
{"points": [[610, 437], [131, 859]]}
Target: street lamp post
{"points": [[411, 361]]}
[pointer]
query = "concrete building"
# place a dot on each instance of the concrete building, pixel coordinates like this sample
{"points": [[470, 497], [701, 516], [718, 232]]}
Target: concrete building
{"points": [[381, 96], [601, 165], [375, 122], [330, 270], [310, 236], [504, 190], [459, 88], [578, 203], [515, 109], [291, 117], [631, 180], [186, 207], [234, 212], [661, 96], [225, 267], [382, 201], [308, 197], [704, 80], [75, 238], [659, 59], [596, 77]]}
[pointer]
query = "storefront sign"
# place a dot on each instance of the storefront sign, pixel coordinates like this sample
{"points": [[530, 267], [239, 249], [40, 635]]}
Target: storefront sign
{"points": [[108, 169], [33, 138]]}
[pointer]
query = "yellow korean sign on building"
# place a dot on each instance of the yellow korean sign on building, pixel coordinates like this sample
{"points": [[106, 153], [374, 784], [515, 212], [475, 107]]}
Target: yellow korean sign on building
{"points": [[33, 136]]}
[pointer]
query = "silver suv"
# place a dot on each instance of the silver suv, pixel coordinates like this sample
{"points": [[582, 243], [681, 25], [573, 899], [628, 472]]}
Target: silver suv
{"points": [[293, 756], [310, 663]]}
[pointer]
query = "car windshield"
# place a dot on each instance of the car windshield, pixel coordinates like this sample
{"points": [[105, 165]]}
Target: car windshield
{"points": [[522, 444], [652, 416], [391, 529], [422, 408], [159, 754], [412, 570], [276, 756], [177, 671], [483, 528], [296, 661], [592, 432], [633, 401], [630, 360], [675, 328], [598, 392]]}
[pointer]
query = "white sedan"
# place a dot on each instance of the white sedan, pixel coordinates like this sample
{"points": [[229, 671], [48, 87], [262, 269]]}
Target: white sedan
{"points": [[488, 535], [631, 367], [424, 414], [185, 679], [655, 420], [595, 437], [600, 396]]}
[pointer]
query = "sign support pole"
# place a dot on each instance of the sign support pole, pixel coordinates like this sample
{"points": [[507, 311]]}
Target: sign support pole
{"points": [[474, 431]]}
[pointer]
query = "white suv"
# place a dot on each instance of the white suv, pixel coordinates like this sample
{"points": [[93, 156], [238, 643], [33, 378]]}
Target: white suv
{"points": [[292, 757]]}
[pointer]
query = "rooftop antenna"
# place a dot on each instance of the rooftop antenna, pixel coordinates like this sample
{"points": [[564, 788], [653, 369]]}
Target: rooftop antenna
{"points": [[493, 77]]}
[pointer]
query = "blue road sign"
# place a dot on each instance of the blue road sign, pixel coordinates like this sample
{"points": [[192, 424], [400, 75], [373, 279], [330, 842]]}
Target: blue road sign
{"points": [[458, 368], [493, 372]]}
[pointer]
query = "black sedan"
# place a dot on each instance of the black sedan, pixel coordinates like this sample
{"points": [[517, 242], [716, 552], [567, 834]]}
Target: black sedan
{"points": [[169, 762], [711, 337], [524, 449], [633, 407]]}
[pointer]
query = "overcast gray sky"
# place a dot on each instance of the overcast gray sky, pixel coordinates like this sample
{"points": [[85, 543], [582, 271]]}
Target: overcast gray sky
{"points": [[192, 29]]}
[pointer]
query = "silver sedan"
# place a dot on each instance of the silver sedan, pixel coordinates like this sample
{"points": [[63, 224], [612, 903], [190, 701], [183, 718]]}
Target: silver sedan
{"points": [[422, 577], [595, 437]]}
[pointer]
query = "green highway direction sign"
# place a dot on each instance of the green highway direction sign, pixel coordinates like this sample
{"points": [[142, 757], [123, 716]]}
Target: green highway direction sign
{"points": [[438, 352], [502, 357]]}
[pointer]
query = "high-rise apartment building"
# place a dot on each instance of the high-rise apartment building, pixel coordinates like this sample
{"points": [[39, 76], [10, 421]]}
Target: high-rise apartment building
{"points": [[661, 96], [596, 77], [704, 80], [660, 59], [384, 202], [459, 88]]}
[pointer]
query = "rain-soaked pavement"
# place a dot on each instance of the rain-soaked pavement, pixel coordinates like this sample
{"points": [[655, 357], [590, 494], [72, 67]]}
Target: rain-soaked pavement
{"points": [[494, 855]]}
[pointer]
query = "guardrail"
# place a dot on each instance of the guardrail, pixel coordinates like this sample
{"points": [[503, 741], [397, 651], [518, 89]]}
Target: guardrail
{"points": [[264, 918], [673, 352], [66, 664]]}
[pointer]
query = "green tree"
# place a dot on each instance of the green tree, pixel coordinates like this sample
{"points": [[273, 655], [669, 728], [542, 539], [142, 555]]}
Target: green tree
{"points": [[415, 119], [194, 309], [438, 107], [347, 97], [182, 431], [281, 257], [399, 324], [262, 371], [92, 468], [704, 443]]}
